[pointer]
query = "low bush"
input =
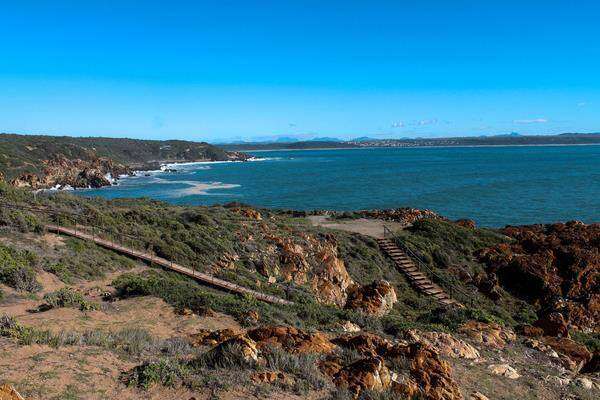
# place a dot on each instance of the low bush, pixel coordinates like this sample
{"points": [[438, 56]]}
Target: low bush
{"points": [[17, 269], [166, 372], [67, 297]]}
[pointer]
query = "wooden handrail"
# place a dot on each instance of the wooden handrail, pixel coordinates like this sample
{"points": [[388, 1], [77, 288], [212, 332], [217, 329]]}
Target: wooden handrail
{"points": [[169, 264]]}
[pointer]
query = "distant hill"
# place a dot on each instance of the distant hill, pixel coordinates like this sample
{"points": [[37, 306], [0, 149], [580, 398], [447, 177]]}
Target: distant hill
{"points": [[29, 154], [511, 139]]}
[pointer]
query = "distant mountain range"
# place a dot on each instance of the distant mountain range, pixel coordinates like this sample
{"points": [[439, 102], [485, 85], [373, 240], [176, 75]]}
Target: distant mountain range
{"points": [[509, 139]]}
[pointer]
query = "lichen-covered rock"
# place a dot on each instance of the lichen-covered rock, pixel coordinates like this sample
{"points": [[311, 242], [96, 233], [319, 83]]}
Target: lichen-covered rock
{"points": [[489, 334], [377, 298]]}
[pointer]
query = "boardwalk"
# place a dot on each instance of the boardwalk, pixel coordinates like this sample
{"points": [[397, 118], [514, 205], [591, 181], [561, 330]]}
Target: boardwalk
{"points": [[206, 278]]}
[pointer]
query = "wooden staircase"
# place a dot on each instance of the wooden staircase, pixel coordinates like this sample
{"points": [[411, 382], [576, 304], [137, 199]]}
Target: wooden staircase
{"points": [[416, 277]]}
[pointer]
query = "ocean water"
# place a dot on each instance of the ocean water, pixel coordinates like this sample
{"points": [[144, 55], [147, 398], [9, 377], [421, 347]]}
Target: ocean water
{"points": [[495, 186]]}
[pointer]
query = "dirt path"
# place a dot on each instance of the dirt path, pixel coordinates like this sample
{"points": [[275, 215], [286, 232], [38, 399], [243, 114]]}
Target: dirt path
{"points": [[364, 226]]}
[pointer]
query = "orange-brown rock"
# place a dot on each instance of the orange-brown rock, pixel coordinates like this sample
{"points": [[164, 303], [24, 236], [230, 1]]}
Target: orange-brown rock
{"points": [[238, 346], [7, 392], [553, 324], [405, 387], [271, 377], [433, 374], [251, 317], [205, 337], [530, 331], [77, 173], [556, 265], [490, 334], [445, 344], [366, 374], [367, 344], [291, 339], [308, 259], [330, 366], [574, 355], [377, 298], [465, 223], [330, 280]]}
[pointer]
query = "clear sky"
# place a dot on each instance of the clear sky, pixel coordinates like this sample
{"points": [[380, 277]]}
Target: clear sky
{"points": [[220, 70]]}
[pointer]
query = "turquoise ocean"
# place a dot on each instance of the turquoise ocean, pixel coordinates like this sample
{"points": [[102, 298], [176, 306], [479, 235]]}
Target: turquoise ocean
{"points": [[495, 186]]}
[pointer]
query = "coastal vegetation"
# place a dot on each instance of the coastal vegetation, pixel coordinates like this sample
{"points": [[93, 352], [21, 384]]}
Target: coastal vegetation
{"points": [[320, 343]]}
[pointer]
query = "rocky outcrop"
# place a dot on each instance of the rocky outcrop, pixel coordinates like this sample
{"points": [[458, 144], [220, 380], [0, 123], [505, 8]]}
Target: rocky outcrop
{"points": [[376, 299], [427, 370], [205, 337], [239, 347], [62, 172], [7, 392], [492, 335], [445, 344], [330, 279], [291, 339], [574, 355], [366, 374], [405, 215], [312, 260], [556, 266]]}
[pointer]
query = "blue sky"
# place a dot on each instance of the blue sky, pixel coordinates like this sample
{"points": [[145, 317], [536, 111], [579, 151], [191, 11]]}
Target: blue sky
{"points": [[221, 70]]}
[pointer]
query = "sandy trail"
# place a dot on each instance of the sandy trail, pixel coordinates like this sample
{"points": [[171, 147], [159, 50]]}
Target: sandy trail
{"points": [[364, 226]]}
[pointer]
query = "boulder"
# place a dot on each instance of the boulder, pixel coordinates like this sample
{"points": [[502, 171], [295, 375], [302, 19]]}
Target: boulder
{"points": [[489, 334], [237, 348], [574, 355], [478, 396], [445, 344], [433, 374], [205, 337], [504, 370], [291, 339], [377, 299]]}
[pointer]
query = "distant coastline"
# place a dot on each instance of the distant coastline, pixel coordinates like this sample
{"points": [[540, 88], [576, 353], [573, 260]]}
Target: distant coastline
{"points": [[425, 147], [565, 139]]}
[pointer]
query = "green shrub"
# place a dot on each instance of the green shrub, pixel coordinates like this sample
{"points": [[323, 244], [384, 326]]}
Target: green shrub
{"points": [[166, 372], [67, 297], [17, 269], [589, 340]]}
